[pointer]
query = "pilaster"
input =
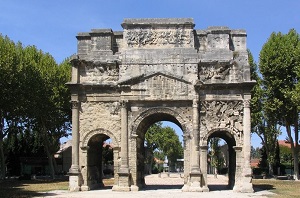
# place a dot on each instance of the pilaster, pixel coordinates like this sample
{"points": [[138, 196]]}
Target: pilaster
{"points": [[195, 174], [124, 175]]}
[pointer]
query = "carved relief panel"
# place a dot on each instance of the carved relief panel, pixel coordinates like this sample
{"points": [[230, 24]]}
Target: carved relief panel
{"points": [[218, 72], [93, 72], [222, 114], [157, 38]]}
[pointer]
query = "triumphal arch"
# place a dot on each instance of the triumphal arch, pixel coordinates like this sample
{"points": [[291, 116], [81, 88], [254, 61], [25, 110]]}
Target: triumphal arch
{"points": [[159, 70]]}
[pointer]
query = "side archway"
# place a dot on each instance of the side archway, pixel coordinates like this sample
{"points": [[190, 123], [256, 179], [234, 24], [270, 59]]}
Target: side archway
{"points": [[93, 162], [229, 151]]}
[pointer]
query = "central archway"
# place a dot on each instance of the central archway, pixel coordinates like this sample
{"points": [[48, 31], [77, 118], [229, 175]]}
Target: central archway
{"points": [[143, 122]]}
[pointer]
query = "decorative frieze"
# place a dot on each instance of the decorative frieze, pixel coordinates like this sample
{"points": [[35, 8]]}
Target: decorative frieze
{"points": [[158, 38]]}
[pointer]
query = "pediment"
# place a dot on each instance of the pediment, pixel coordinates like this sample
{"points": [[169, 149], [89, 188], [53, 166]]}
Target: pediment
{"points": [[144, 77]]}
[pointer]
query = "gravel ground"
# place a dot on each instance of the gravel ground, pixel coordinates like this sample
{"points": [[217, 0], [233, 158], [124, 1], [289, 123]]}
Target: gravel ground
{"points": [[166, 187]]}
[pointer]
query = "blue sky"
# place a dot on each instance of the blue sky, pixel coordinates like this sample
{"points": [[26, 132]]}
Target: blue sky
{"points": [[53, 25]]}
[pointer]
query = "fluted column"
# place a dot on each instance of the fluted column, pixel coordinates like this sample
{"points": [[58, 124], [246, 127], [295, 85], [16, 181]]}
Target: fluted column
{"points": [[74, 181], [124, 137], [247, 136], [75, 137], [195, 141], [247, 185]]}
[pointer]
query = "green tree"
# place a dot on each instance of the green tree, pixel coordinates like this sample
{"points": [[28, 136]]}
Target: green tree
{"points": [[216, 159], [11, 87], [262, 122], [33, 96], [279, 66], [165, 140]]}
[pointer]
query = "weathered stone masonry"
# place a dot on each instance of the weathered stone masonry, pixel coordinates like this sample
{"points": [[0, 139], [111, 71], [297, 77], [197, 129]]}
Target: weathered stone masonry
{"points": [[155, 70]]}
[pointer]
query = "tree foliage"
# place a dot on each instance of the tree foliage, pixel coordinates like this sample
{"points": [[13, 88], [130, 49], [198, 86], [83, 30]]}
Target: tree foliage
{"points": [[215, 154], [165, 140], [262, 121], [279, 63], [34, 98]]}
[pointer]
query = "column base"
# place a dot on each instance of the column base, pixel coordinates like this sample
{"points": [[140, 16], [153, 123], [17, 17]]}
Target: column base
{"points": [[123, 183], [85, 188], [247, 186], [134, 188], [244, 185], [121, 188], [194, 185], [74, 185]]}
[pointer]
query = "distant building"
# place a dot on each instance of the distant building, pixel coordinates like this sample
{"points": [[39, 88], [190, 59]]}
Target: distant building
{"points": [[63, 157]]}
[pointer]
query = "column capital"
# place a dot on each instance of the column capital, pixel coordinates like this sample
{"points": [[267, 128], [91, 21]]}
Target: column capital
{"points": [[246, 103], [84, 148], [123, 103], [238, 148], [75, 104], [195, 102], [203, 147]]}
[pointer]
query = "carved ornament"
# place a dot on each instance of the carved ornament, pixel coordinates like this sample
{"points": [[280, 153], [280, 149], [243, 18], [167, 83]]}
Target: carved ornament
{"points": [[222, 114], [75, 104], [95, 72], [150, 37], [220, 72]]}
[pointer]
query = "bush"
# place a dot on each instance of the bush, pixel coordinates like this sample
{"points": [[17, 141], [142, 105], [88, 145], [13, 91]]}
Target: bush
{"points": [[223, 171], [155, 170]]}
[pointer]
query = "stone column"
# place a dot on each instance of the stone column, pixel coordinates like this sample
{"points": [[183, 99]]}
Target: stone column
{"points": [[124, 138], [247, 185], [123, 183], [74, 181], [195, 141], [238, 169], [203, 167]]}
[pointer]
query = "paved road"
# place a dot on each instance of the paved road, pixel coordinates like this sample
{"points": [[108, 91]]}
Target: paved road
{"points": [[162, 188]]}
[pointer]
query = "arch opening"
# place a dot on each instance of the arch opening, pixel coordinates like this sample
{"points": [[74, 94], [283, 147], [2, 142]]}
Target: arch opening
{"points": [[153, 161], [221, 160], [100, 162]]}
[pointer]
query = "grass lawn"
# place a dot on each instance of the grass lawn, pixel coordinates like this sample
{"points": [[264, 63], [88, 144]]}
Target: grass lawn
{"points": [[30, 188], [283, 188]]}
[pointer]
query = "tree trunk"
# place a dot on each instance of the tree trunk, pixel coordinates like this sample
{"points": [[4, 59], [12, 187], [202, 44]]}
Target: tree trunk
{"points": [[271, 171], [49, 155], [296, 153], [2, 158]]}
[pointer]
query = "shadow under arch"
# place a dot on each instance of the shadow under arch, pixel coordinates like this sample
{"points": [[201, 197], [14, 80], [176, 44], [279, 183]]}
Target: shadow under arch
{"points": [[231, 139], [139, 128]]}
